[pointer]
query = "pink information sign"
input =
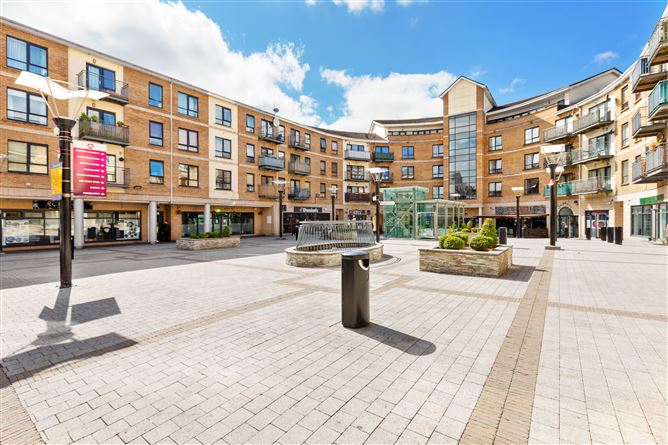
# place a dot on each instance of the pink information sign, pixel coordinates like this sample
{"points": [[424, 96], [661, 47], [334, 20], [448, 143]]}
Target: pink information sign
{"points": [[89, 169]]}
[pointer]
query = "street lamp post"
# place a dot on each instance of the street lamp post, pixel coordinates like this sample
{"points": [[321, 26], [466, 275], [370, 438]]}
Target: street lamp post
{"points": [[376, 173], [554, 154], [55, 91], [517, 191], [333, 192], [281, 190]]}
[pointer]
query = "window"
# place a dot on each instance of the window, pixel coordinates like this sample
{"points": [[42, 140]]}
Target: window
{"points": [[407, 172], [407, 152], [23, 157], [625, 172], [625, 97], [494, 189], [188, 175], [356, 173], [250, 153], [384, 173], [26, 107], [223, 179], [250, 182], [111, 168], [531, 161], [335, 169], [495, 166], [102, 116], [250, 123], [625, 134], [462, 149], [531, 135], [155, 133], [323, 190], [100, 79], [531, 186], [437, 171], [323, 167], [26, 56], [223, 116], [155, 95], [437, 192], [307, 139], [188, 140], [495, 143], [156, 171], [295, 136], [187, 104], [382, 149], [323, 145], [223, 148], [335, 147], [641, 220], [437, 151]]}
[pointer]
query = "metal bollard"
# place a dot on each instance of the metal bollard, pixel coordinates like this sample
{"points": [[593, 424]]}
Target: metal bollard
{"points": [[611, 234], [503, 235], [603, 233], [355, 311], [588, 233], [618, 235]]}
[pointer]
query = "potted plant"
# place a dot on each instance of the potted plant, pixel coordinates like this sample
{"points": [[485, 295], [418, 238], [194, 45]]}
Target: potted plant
{"points": [[120, 124]]}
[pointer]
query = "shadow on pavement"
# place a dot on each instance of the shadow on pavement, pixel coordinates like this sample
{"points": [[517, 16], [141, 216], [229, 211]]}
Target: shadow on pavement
{"points": [[398, 340], [518, 273]]}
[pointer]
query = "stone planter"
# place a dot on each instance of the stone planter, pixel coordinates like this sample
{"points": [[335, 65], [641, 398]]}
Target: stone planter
{"points": [[326, 258], [207, 243], [493, 263]]}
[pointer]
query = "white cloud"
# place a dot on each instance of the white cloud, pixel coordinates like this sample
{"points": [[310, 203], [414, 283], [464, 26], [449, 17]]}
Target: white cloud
{"points": [[477, 72], [511, 88], [182, 43], [395, 96], [605, 57], [357, 6], [310, 2]]}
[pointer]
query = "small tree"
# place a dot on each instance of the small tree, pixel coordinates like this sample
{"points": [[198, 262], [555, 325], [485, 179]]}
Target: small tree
{"points": [[469, 225], [489, 229], [227, 231]]}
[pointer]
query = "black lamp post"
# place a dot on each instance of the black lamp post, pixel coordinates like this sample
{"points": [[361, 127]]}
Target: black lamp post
{"points": [[332, 191], [280, 209], [553, 204], [517, 191], [376, 173]]}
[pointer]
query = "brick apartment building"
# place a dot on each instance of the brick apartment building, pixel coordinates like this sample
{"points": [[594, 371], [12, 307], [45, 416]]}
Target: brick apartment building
{"points": [[189, 160]]}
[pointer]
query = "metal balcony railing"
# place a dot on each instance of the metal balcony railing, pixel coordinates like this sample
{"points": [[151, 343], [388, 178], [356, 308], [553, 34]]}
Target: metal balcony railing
{"points": [[271, 162], [642, 127], [355, 155], [359, 177], [387, 178], [563, 189], [97, 131], [299, 193], [656, 160], [592, 120], [118, 176], [117, 90], [593, 151], [271, 135], [268, 191], [638, 169], [555, 133], [383, 157], [590, 185], [299, 143], [645, 76], [299, 168], [657, 101], [357, 197], [657, 42]]}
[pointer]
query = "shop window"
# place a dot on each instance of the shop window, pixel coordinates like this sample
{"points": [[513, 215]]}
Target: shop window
{"points": [[29, 228], [105, 226]]}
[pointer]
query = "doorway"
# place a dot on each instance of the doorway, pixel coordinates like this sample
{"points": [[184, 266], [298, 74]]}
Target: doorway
{"points": [[596, 220], [567, 224]]}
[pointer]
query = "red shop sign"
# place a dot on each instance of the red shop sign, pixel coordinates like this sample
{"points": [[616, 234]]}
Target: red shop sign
{"points": [[89, 169]]}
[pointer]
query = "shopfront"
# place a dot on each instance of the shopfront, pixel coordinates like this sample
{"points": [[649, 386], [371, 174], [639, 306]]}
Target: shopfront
{"points": [[106, 226], [241, 223], [649, 219], [596, 221], [359, 214], [299, 214], [22, 228], [533, 219], [567, 223]]}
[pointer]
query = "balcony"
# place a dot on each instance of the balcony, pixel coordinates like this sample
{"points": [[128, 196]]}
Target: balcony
{"points": [[299, 168], [657, 46], [97, 131], [118, 177], [267, 191], [354, 155], [118, 91], [590, 185], [563, 189], [592, 121], [645, 76], [556, 133], [358, 197], [638, 171], [271, 162], [299, 194], [383, 157], [641, 127], [593, 152], [387, 178], [299, 144], [271, 135], [653, 167], [657, 102], [357, 177]]}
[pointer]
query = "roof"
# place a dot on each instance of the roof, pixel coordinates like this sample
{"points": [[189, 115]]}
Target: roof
{"points": [[464, 78], [351, 134], [409, 121]]}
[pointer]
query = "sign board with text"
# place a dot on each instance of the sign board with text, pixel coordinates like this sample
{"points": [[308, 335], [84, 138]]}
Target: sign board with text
{"points": [[89, 169], [56, 174]]}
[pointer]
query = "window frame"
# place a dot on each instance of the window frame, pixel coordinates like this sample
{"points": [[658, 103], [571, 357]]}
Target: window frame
{"points": [[189, 112], [624, 129], [250, 159], [222, 154], [439, 153], [227, 186], [188, 140], [492, 145], [152, 84], [250, 187], [323, 145], [439, 171], [222, 121], [437, 195], [27, 62], [412, 152], [188, 178], [27, 111], [151, 176], [28, 163], [625, 171], [526, 189], [250, 129], [101, 78], [533, 139], [495, 170], [407, 168], [531, 166], [494, 193], [162, 134]]}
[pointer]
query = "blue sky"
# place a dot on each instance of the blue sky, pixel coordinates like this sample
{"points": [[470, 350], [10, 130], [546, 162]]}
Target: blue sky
{"points": [[330, 64]]}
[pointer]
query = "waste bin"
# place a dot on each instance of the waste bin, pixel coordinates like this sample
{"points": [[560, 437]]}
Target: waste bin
{"points": [[618, 235], [503, 235], [611, 234], [588, 233], [603, 233], [355, 289]]}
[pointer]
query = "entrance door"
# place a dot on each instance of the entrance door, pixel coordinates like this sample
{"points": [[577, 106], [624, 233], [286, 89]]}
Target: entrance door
{"points": [[425, 225], [567, 224], [597, 220]]}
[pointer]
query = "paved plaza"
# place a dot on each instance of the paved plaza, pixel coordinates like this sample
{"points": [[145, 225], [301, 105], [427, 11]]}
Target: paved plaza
{"points": [[152, 345]]}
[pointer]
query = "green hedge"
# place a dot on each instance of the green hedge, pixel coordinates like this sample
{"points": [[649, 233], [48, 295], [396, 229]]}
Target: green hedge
{"points": [[224, 234], [481, 242], [451, 241], [489, 229]]}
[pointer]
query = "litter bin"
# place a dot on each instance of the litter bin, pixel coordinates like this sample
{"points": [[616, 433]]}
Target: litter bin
{"points": [[603, 233], [503, 235], [611, 234], [588, 233], [355, 289], [618, 235]]}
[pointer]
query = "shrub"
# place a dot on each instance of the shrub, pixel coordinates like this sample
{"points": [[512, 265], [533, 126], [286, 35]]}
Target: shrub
{"points": [[226, 231], [481, 242], [475, 229], [193, 236], [451, 242], [489, 229], [469, 225], [464, 237]]}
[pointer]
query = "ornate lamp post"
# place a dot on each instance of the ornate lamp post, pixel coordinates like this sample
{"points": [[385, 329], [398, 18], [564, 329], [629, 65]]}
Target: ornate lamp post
{"points": [[53, 91], [281, 190], [517, 191], [376, 173], [553, 156]]}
